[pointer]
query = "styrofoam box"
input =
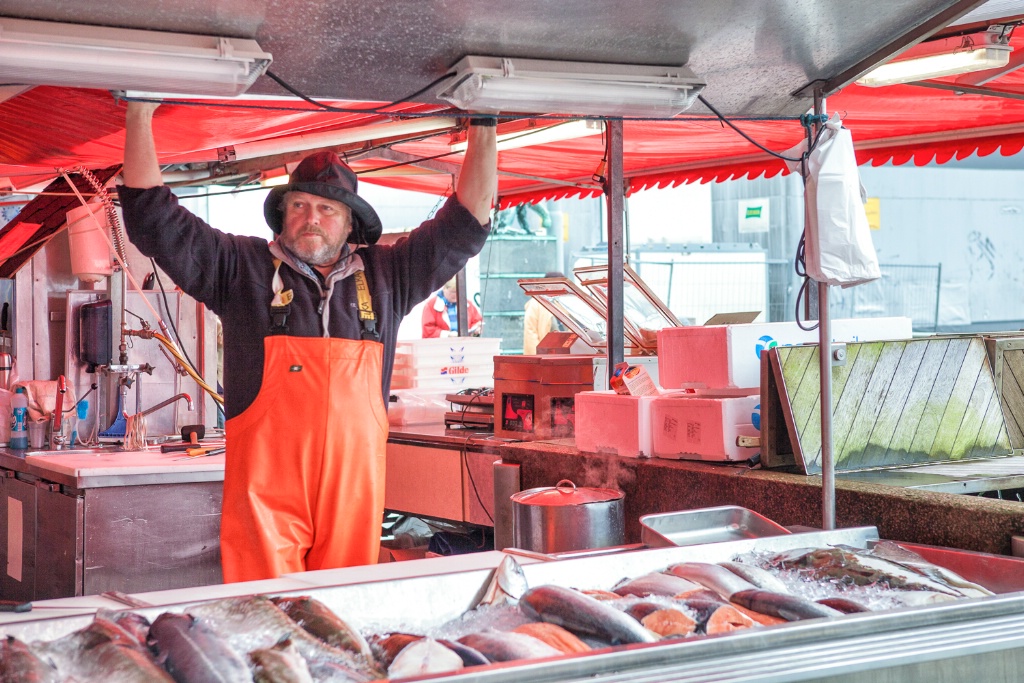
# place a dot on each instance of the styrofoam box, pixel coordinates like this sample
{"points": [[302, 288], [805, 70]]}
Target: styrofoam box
{"points": [[702, 427], [607, 422], [729, 356]]}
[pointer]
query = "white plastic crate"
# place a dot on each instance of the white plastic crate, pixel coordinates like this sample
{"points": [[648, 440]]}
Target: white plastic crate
{"points": [[701, 426], [729, 356], [449, 362], [454, 382]]}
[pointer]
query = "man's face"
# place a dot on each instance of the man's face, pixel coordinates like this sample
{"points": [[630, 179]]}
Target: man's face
{"points": [[315, 228]]}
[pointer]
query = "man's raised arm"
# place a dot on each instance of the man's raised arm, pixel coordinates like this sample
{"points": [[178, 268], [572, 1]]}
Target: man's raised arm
{"points": [[479, 177], [141, 169]]}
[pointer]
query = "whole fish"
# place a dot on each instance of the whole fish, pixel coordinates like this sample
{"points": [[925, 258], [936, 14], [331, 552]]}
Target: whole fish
{"points": [[507, 584], [19, 664], [858, 568], [761, 578], [894, 552], [254, 622], [389, 646], [74, 652], [502, 646], [844, 605], [582, 615], [113, 663], [280, 663], [424, 656], [318, 619], [655, 583], [788, 607], [469, 656], [192, 652], [718, 579], [134, 624]]}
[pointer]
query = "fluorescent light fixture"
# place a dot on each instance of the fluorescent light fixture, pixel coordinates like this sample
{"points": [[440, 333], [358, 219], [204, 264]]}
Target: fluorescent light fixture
{"points": [[497, 84], [570, 130], [334, 138], [76, 55], [967, 54]]}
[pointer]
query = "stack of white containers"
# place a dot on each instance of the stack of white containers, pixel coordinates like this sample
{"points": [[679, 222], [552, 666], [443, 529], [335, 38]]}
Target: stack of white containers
{"points": [[721, 366], [450, 363], [712, 380]]}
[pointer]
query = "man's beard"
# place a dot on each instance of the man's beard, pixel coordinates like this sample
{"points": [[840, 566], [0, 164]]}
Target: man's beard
{"points": [[324, 255]]}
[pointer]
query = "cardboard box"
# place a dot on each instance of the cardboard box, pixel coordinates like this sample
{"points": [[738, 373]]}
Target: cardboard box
{"points": [[729, 356], [535, 396], [702, 427], [607, 422]]}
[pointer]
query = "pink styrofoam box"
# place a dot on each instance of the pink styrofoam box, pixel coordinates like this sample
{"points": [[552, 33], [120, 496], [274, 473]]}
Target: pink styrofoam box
{"points": [[729, 356], [702, 427], [607, 422]]}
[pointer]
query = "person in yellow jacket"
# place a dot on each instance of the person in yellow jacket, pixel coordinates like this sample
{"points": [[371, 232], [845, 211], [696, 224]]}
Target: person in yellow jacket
{"points": [[537, 322]]}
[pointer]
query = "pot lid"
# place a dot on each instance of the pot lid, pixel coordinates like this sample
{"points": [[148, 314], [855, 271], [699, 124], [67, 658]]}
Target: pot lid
{"points": [[566, 493]]}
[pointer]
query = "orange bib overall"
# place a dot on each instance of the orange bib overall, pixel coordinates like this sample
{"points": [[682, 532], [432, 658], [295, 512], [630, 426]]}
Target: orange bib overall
{"points": [[304, 474]]}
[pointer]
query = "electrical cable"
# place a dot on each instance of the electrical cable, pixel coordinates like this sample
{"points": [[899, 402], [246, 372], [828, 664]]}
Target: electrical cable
{"points": [[799, 264], [749, 139], [352, 110]]}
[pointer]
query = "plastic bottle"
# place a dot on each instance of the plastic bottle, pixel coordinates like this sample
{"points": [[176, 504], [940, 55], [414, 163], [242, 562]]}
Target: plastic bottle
{"points": [[81, 429], [19, 419]]}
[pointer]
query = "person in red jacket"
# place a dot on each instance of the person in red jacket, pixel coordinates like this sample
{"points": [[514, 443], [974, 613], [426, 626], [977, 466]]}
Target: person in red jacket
{"points": [[440, 314]]}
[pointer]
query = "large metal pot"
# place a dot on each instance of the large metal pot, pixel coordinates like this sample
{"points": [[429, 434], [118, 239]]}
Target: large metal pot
{"points": [[565, 517]]}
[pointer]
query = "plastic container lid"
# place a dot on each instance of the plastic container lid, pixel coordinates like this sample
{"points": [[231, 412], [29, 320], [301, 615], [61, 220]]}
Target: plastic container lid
{"points": [[566, 493]]}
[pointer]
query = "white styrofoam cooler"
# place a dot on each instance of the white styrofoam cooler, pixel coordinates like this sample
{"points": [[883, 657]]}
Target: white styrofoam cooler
{"points": [[702, 426], [607, 422], [448, 363], [729, 356]]}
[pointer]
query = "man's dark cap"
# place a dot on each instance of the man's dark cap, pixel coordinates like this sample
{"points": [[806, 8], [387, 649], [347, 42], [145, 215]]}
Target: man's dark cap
{"points": [[326, 175]]}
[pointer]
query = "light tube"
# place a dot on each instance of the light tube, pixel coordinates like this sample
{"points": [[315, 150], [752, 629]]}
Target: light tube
{"points": [[990, 51], [494, 84], [76, 55]]}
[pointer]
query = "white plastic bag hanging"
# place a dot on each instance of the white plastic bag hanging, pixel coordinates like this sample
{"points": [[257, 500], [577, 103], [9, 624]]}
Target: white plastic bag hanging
{"points": [[838, 249]]}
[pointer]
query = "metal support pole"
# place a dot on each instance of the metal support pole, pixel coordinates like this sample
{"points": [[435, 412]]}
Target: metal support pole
{"points": [[462, 308], [828, 468], [614, 191]]}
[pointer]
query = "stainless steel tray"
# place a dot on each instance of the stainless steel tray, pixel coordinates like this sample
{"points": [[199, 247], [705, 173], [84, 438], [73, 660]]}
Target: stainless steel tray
{"points": [[706, 525]]}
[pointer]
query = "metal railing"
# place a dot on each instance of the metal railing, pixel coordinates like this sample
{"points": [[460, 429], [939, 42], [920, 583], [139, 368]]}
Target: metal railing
{"points": [[698, 289]]}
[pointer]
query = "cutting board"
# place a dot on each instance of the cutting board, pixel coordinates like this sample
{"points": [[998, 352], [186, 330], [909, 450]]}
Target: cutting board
{"points": [[125, 462]]}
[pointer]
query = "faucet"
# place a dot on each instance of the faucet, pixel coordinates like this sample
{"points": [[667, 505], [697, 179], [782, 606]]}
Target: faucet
{"points": [[164, 404], [57, 439]]}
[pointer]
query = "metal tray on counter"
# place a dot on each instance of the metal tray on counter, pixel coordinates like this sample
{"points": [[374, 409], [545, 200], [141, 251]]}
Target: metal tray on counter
{"points": [[706, 525]]}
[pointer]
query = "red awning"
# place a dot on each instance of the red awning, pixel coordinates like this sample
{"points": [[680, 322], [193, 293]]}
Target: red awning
{"points": [[47, 128]]}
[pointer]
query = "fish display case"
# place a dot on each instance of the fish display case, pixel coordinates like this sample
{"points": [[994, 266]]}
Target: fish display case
{"points": [[967, 639]]}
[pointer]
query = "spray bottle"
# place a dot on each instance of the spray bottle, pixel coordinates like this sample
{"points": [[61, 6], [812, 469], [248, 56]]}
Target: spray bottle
{"points": [[19, 419]]}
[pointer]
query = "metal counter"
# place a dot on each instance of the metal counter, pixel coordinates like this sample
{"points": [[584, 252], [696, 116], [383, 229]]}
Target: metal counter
{"points": [[84, 524], [976, 639]]}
